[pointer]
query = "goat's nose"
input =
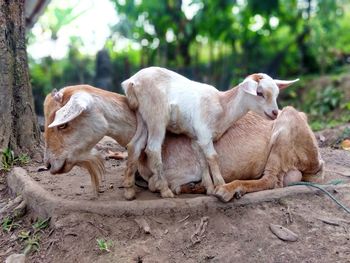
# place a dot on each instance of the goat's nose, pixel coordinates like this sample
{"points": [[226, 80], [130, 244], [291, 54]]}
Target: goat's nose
{"points": [[48, 165], [275, 113]]}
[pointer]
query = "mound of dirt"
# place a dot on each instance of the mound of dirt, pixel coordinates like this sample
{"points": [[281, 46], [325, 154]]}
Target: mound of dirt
{"points": [[235, 232]]}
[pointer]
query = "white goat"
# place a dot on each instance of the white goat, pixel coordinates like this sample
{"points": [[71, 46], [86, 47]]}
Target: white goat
{"points": [[77, 117], [166, 100]]}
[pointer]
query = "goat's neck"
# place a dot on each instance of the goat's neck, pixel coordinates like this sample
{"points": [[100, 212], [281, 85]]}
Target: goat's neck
{"points": [[121, 120], [234, 108]]}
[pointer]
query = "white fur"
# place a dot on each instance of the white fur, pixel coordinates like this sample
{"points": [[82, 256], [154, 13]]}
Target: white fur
{"points": [[167, 100]]}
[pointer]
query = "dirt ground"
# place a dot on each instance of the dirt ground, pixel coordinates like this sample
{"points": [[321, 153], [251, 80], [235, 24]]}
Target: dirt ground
{"points": [[239, 234]]}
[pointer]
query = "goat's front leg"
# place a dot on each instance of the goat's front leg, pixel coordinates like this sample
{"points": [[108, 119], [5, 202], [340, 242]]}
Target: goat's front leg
{"points": [[212, 159], [238, 188], [207, 182]]}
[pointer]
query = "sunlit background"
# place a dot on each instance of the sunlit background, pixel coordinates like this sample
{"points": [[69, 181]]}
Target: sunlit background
{"points": [[218, 42]]}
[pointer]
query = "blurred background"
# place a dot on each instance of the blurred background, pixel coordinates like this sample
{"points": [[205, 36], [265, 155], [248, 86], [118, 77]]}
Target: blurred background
{"points": [[214, 41]]}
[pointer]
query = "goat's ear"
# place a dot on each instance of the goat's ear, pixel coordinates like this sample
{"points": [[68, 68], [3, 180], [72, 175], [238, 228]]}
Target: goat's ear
{"points": [[78, 103], [282, 84], [57, 95], [249, 86]]}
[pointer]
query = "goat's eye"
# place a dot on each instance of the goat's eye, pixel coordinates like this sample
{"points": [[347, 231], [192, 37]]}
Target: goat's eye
{"points": [[62, 126], [260, 94]]}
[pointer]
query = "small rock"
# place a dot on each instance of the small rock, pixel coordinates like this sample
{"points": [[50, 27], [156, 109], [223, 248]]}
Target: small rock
{"points": [[143, 224], [2, 187], [283, 233], [16, 258], [11, 204], [13, 237], [37, 157], [322, 138], [20, 210]]}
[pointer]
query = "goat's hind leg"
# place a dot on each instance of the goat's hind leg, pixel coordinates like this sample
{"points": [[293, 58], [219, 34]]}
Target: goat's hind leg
{"points": [[135, 146], [154, 153], [192, 188]]}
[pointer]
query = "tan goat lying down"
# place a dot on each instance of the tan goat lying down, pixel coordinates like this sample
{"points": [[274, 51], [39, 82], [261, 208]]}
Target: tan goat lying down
{"points": [[254, 154], [165, 100]]}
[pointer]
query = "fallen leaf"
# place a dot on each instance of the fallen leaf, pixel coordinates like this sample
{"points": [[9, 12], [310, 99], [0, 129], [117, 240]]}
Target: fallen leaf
{"points": [[283, 233], [345, 145], [329, 221]]}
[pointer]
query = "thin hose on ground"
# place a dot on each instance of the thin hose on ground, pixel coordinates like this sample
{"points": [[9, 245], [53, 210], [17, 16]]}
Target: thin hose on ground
{"points": [[324, 191]]}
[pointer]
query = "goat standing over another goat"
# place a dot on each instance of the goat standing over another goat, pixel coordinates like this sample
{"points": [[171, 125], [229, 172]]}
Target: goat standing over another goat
{"points": [[254, 154], [165, 100]]}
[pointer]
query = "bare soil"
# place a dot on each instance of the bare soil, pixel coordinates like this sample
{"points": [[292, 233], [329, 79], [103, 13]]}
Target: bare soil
{"points": [[238, 234]]}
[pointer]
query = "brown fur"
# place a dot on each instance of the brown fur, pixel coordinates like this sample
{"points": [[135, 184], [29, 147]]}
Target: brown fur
{"points": [[55, 138], [293, 148], [268, 96], [257, 77]]}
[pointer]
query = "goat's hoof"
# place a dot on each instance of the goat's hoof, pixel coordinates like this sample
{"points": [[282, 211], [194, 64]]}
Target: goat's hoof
{"points": [[210, 190], [167, 193], [238, 194], [101, 189], [152, 184], [223, 194], [129, 193]]}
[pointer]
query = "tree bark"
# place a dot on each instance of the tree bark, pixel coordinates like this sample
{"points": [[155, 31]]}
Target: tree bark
{"points": [[18, 123]]}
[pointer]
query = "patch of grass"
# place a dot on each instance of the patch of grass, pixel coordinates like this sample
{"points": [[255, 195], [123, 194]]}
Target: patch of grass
{"points": [[8, 159], [8, 224], [32, 243], [321, 124], [321, 103], [104, 245], [41, 224], [31, 238], [22, 159], [23, 235]]}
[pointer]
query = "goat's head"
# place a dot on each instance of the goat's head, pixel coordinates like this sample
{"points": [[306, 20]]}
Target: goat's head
{"points": [[73, 126], [262, 93]]}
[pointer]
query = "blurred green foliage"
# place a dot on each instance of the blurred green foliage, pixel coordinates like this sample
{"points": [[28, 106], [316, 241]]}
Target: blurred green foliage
{"points": [[218, 42]]}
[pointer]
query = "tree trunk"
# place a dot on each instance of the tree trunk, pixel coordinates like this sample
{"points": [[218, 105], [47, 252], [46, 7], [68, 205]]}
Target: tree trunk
{"points": [[18, 124]]}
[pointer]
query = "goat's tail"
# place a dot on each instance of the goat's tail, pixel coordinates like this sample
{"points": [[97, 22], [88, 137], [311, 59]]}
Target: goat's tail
{"points": [[129, 89]]}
